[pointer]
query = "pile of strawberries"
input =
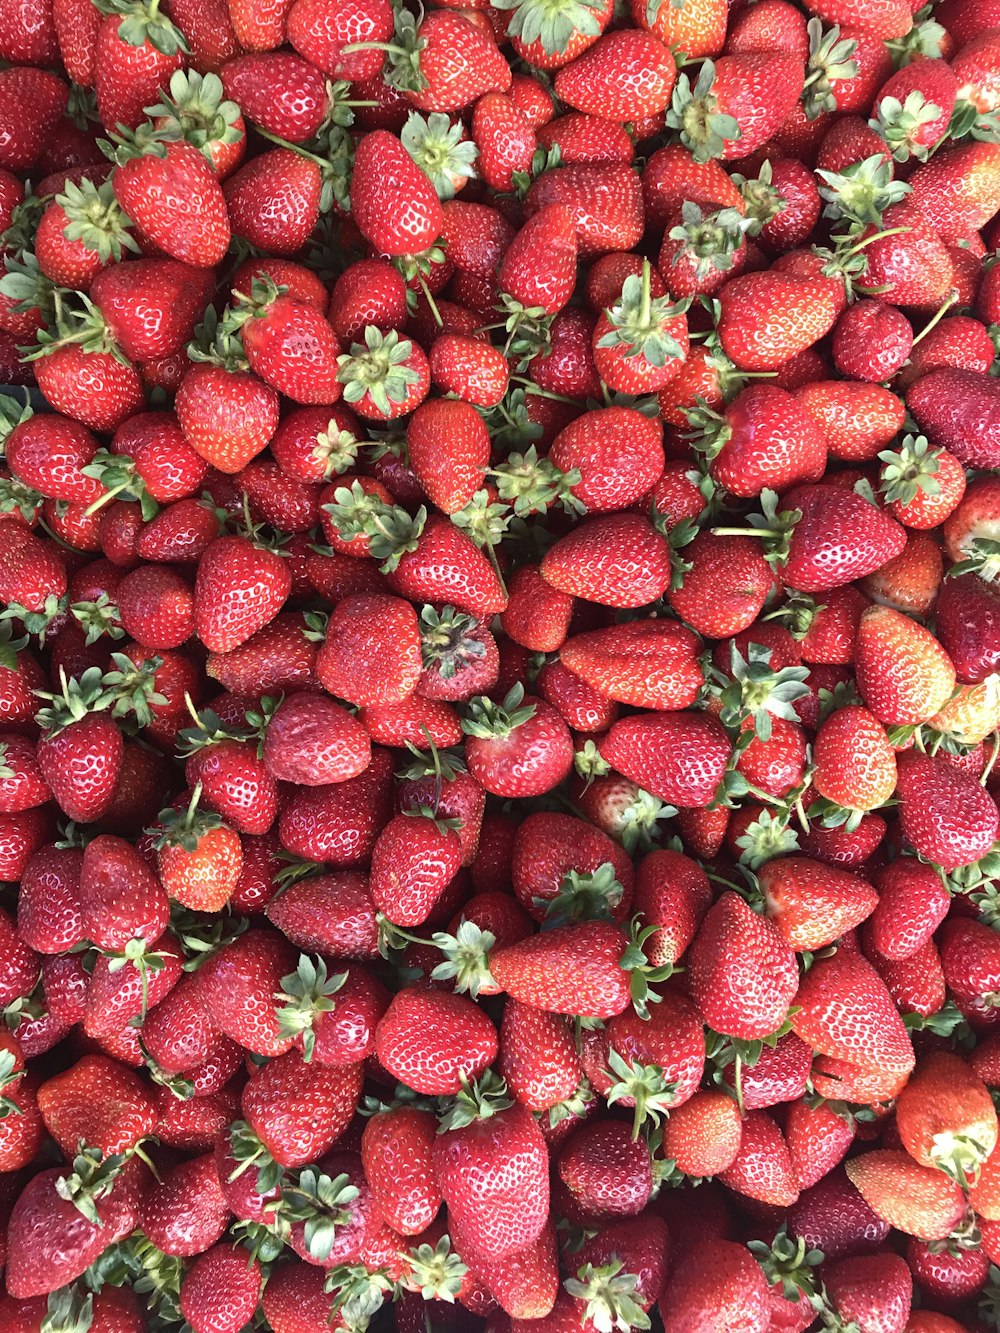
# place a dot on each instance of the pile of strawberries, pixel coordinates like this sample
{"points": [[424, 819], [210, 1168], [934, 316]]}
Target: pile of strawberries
{"points": [[500, 666]]}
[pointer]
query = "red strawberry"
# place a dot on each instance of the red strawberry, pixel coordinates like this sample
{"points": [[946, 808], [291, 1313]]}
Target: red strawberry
{"points": [[904, 674], [623, 76], [720, 1283], [221, 1286], [844, 1011], [538, 268], [945, 814], [80, 753], [134, 58], [173, 196], [618, 559], [764, 439], [449, 450], [736, 104], [240, 588], [648, 664], [813, 904], [521, 747], [414, 859], [99, 1103], [679, 756], [433, 1041], [383, 171]]}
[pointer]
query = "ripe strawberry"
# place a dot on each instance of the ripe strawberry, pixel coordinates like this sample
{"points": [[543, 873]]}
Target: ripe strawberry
{"points": [[605, 202], [956, 190], [382, 166], [720, 1283], [916, 1199], [537, 615], [844, 1011], [624, 76], [396, 1149], [173, 196], [946, 1118], [855, 766], [238, 987], [945, 814], [678, 756], [472, 370], [433, 1041], [521, 747], [743, 975], [220, 1288], [80, 751], [449, 451], [298, 1109], [492, 1169], [240, 587], [415, 858], [763, 440], [274, 200], [371, 654], [330, 913], [99, 1103], [617, 452], [288, 343], [732, 109], [538, 268], [956, 410], [766, 318], [134, 58], [199, 859], [904, 674], [857, 419], [616, 559], [339, 823], [812, 904], [648, 664]]}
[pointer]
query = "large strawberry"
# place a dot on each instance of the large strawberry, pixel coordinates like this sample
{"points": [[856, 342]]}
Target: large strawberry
{"points": [[240, 587]]}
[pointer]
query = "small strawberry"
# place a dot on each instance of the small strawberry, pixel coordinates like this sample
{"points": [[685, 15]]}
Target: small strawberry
{"points": [[239, 588], [414, 859], [80, 751], [435, 1042], [396, 1149], [517, 748], [624, 76], [384, 170], [199, 859]]}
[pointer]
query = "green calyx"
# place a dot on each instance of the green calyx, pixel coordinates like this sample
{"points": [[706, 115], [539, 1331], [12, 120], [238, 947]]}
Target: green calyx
{"points": [[609, 1296], [335, 450], [901, 124], [704, 130], [321, 1203], [574, 1107], [27, 288], [772, 525], [466, 958], [754, 691], [484, 521], [861, 193], [910, 470], [639, 320], [256, 304], [707, 241], [307, 993], [390, 530], [377, 369], [584, 897], [37, 623], [768, 836], [12, 412], [95, 218], [99, 619], [643, 1085], [92, 1178], [532, 484], [247, 1150], [476, 1101], [403, 53], [10, 646], [9, 1075], [788, 1264], [17, 497], [589, 763], [446, 644], [82, 325], [186, 827], [761, 199], [488, 720], [797, 614], [643, 974], [137, 954], [437, 146], [117, 474], [76, 698], [130, 690], [142, 22], [214, 344], [68, 1310], [435, 1271], [831, 59], [640, 820], [981, 557], [196, 110], [552, 22]]}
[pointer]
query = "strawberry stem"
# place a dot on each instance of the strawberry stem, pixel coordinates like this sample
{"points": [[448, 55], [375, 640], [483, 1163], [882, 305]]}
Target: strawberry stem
{"points": [[936, 317]]}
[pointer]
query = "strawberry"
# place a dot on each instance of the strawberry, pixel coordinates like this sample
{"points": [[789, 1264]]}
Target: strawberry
{"points": [[946, 1118], [616, 559], [731, 110], [311, 740], [449, 451], [274, 200], [520, 747], [371, 653], [766, 318], [857, 419], [722, 587], [844, 1011], [944, 813], [743, 975], [98, 1103], [855, 766], [648, 664], [444, 62], [605, 79], [383, 168], [904, 674], [289, 344], [407, 1196], [492, 1169], [871, 341], [720, 1283], [538, 1060], [240, 587], [538, 267], [957, 190], [564, 868], [414, 859], [187, 1212], [199, 859], [617, 452], [340, 822], [464, 1041], [31, 103], [470, 369], [234, 780], [505, 139], [385, 376], [80, 751], [678, 756], [956, 409], [322, 35], [605, 202], [762, 1169], [238, 988], [172, 194], [220, 1288], [763, 440], [298, 1109], [332, 913], [703, 1134], [916, 1199], [872, 1288], [921, 485], [813, 904], [134, 57]]}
